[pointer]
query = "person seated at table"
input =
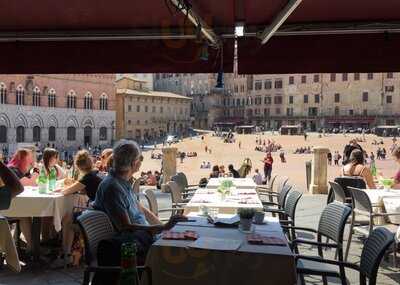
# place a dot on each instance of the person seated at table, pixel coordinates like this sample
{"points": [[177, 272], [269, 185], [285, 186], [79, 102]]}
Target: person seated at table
{"points": [[50, 159], [257, 177], [21, 164], [222, 169], [214, 172], [89, 179], [105, 155], [233, 171], [10, 186], [116, 198], [356, 167], [151, 179], [88, 183]]}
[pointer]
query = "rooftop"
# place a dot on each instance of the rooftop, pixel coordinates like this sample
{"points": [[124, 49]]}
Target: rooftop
{"points": [[151, 93]]}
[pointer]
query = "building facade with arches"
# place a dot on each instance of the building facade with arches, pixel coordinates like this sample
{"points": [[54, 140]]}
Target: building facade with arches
{"points": [[69, 111]]}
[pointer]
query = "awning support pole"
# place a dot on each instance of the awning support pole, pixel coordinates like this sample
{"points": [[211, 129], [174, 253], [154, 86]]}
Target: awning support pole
{"points": [[278, 21], [194, 17]]}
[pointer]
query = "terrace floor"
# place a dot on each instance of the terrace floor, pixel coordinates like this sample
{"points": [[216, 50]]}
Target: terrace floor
{"points": [[308, 213]]}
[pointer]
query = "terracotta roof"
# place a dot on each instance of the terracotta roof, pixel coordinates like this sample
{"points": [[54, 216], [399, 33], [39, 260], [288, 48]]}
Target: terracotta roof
{"points": [[152, 94]]}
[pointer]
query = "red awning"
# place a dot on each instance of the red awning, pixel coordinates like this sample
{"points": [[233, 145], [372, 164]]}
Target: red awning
{"points": [[111, 57], [110, 22], [318, 54]]}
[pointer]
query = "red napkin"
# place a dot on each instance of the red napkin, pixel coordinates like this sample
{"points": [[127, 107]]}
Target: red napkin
{"points": [[186, 235], [265, 240]]}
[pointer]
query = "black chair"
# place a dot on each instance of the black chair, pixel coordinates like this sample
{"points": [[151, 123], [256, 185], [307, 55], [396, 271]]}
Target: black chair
{"points": [[373, 251], [331, 225], [96, 226], [280, 197], [362, 207], [287, 215], [339, 194], [345, 182]]}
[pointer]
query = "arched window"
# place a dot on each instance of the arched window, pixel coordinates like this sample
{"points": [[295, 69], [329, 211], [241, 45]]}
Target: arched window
{"points": [[103, 102], [20, 95], [3, 134], [71, 100], [52, 134], [52, 98], [20, 134], [88, 103], [3, 93], [71, 133], [36, 97], [36, 134], [103, 134]]}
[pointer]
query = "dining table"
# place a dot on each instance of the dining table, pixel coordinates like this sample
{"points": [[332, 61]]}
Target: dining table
{"points": [[221, 256], [32, 204], [242, 194], [380, 197]]}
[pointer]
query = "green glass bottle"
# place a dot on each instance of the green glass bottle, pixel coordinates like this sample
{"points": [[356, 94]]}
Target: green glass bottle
{"points": [[42, 181], [129, 274], [52, 179], [373, 169]]}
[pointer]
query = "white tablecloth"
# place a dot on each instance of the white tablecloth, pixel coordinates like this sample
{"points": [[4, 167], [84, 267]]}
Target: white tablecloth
{"points": [[377, 198], [243, 197], [377, 195], [32, 204], [176, 262], [237, 182]]}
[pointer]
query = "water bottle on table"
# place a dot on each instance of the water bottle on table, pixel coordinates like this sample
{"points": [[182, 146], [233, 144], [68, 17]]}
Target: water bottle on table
{"points": [[52, 179], [42, 181]]}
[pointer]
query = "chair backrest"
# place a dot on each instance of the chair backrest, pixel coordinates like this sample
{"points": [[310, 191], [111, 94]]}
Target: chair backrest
{"points": [[95, 226], [333, 221], [339, 194], [361, 201], [176, 195], [136, 186], [291, 203], [279, 182], [152, 201], [283, 195], [272, 180], [179, 179], [373, 251], [350, 181]]}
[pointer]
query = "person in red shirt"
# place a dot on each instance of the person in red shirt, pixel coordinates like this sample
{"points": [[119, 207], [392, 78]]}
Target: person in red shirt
{"points": [[268, 161]]}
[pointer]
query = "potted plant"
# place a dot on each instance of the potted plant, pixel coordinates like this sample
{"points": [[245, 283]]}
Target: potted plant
{"points": [[224, 188], [223, 191], [246, 217]]}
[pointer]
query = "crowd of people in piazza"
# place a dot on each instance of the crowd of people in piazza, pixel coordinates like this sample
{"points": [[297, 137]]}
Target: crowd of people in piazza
{"points": [[106, 182]]}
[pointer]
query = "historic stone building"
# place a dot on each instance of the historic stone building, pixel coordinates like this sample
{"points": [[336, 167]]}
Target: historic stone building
{"points": [[207, 106], [312, 100], [65, 110], [145, 115], [324, 100], [146, 77]]}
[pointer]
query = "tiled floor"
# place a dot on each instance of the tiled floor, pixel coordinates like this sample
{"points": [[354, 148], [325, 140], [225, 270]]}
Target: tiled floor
{"points": [[307, 215]]}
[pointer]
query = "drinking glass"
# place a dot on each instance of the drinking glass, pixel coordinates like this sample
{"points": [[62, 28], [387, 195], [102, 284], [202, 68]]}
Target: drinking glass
{"points": [[213, 213]]}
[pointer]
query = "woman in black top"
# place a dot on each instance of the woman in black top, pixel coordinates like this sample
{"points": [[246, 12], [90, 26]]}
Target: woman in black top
{"points": [[89, 179], [88, 183]]}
